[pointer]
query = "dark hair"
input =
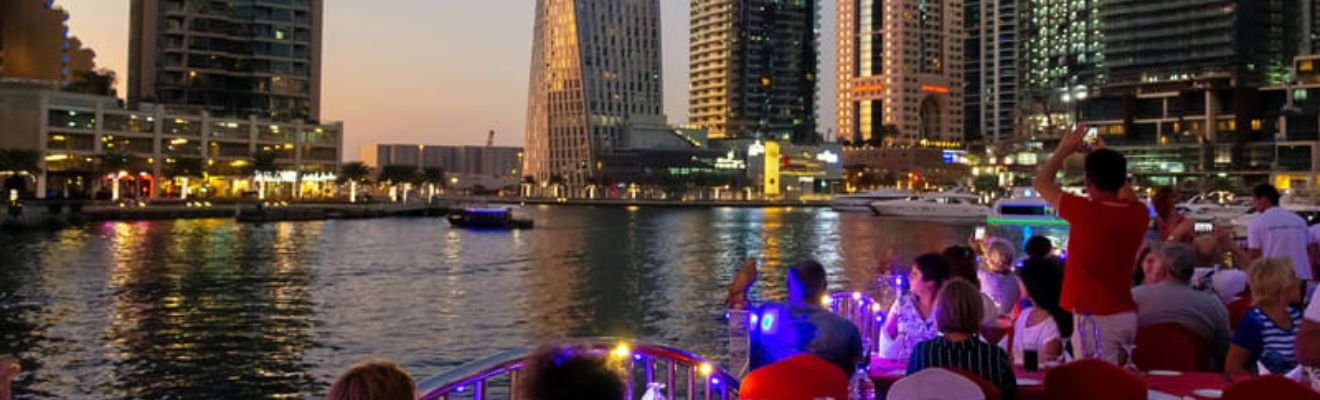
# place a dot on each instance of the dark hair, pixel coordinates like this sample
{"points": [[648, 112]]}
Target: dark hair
{"points": [[934, 267], [1268, 192], [1044, 283], [959, 308], [566, 372], [374, 380], [1107, 170], [1163, 201], [962, 263], [1039, 246], [812, 276], [1138, 274]]}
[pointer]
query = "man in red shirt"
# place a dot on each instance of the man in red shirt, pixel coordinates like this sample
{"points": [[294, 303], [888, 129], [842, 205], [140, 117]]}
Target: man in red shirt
{"points": [[800, 377], [1106, 230]]}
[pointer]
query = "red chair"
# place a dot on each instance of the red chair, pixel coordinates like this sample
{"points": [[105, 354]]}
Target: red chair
{"points": [[1270, 387], [1237, 309], [991, 391], [1172, 347], [1093, 379]]}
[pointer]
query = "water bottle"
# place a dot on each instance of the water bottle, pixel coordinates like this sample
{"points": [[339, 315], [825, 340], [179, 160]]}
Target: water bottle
{"points": [[1096, 351], [861, 387]]}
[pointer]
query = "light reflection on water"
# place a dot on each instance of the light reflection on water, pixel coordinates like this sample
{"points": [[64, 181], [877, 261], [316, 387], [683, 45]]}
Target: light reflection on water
{"points": [[212, 308]]}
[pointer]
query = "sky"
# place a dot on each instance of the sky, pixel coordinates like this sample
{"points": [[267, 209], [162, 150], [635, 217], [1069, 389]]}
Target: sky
{"points": [[434, 71]]}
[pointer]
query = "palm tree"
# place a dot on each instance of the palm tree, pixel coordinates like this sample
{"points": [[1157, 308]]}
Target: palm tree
{"points": [[353, 173], [114, 162], [18, 163], [185, 168], [433, 177], [263, 163], [530, 182], [395, 175], [556, 181]]}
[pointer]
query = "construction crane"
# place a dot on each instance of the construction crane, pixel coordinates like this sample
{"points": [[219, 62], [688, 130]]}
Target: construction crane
{"points": [[490, 139]]}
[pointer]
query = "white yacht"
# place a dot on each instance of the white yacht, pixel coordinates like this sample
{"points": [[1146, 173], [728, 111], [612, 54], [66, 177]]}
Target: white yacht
{"points": [[940, 205], [1215, 205], [1023, 204], [861, 201]]}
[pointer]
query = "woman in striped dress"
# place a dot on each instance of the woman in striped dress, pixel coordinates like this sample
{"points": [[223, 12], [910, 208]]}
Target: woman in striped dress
{"points": [[958, 314], [1267, 334]]}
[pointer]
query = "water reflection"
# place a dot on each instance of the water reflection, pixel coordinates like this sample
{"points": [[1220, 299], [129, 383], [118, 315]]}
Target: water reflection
{"points": [[211, 309]]}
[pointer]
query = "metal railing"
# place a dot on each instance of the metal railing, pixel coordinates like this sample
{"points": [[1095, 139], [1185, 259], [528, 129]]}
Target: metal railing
{"points": [[652, 363], [865, 312]]}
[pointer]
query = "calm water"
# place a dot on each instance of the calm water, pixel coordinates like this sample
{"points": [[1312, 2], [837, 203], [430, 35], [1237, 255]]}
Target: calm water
{"points": [[212, 308]]}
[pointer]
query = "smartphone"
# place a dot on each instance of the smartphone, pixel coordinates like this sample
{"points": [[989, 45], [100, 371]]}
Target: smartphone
{"points": [[1092, 135], [980, 233], [1203, 227]]}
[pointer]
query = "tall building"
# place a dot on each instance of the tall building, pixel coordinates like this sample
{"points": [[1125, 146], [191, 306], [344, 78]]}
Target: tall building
{"points": [[991, 69], [595, 70], [1251, 41], [903, 82], [1310, 27], [1063, 59], [35, 43], [230, 57], [753, 69]]}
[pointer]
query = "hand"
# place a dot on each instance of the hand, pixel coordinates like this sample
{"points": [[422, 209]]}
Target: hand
{"points": [[1071, 142], [742, 281]]}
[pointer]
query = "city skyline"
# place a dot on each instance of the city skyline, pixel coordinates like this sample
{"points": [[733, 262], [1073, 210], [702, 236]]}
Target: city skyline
{"points": [[466, 101]]}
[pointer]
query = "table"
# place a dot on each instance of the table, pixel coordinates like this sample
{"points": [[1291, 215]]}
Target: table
{"points": [[885, 372]]}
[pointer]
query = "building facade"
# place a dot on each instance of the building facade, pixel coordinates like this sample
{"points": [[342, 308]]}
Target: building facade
{"points": [[469, 160], [904, 83], [229, 57], [753, 69], [35, 43], [991, 69], [1063, 59], [87, 141], [595, 67]]}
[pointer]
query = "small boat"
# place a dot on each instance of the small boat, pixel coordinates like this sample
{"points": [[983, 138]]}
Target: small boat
{"points": [[488, 219], [862, 201], [1214, 206], [940, 205], [1024, 204]]}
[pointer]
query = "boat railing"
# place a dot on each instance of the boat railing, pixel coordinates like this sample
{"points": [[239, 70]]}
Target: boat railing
{"points": [[644, 364], [864, 311]]}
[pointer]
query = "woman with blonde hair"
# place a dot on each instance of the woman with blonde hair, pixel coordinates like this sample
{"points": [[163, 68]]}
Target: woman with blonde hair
{"points": [[1268, 333], [374, 380]]}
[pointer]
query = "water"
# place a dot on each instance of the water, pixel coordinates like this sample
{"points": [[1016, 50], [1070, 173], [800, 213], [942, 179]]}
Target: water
{"points": [[217, 309]]}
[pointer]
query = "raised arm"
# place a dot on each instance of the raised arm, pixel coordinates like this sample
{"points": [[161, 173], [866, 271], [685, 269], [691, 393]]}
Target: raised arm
{"points": [[1044, 183]]}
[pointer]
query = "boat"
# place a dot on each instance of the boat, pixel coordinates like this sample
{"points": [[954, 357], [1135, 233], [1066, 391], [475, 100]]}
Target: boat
{"points": [[1024, 205], [488, 219], [1214, 206], [862, 201], [937, 205]]}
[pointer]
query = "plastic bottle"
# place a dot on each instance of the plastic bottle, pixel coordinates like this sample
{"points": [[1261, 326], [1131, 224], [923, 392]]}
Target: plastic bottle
{"points": [[861, 387]]}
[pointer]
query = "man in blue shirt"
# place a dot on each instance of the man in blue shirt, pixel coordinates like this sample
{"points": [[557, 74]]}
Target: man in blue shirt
{"points": [[801, 325]]}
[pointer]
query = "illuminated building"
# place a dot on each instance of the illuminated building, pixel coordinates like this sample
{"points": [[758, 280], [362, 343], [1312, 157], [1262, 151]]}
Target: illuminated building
{"points": [[230, 57], [991, 69], [595, 69], [753, 69], [901, 71], [75, 132], [1063, 59], [34, 43]]}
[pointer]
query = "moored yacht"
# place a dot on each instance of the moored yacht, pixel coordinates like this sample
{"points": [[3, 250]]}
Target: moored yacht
{"points": [[1024, 204], [939, 205], [861, 201], [1214, 205]]}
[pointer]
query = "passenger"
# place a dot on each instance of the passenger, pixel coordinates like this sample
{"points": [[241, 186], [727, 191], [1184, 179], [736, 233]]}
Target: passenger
{"points": [[374, 380], [566, 372], [958, 315], [1040, 327], [997, 280], [1308, 336], [803, 376], [1106, 232], [1278, 233], [1171, 299], [1267, 334], [962, 263], [1213, 276], [1173, 226], [1150, 266], [802, 325], [912, 317], [1040, 251], [9, 369]]}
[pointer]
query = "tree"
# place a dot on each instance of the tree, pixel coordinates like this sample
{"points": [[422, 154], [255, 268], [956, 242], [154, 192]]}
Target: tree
{"points": [[99, 82], [396, 175], [529, 182], [353, 173], [556, 182], [113, 162], [19, 163], [433, 178], [263, 163], [185, 168]]}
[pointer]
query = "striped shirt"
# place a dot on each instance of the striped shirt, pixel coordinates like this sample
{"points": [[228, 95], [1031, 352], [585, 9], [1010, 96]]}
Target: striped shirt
{"points": [[1268, 343], [972, 355]]}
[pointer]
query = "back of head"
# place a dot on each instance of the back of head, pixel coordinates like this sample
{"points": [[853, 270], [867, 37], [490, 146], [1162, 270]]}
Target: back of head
{"points": [[959, 308], [1268, 192], [565, 372], [1268, 278], [374, 380], [811, 275], [1107, 170], [934, 267], [1039, 246], [962, 263], [1044, 283], [1164, 200], [1179, 260]]}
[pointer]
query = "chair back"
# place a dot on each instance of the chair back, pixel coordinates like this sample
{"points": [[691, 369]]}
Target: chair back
{"points": [[1237, 309], [1170, 346], [1092, 379], [1270, 387], [935, 384], [988, 388]]}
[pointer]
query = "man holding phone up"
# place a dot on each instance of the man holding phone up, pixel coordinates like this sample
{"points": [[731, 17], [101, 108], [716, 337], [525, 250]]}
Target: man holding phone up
{"points": [[1106, 231]]}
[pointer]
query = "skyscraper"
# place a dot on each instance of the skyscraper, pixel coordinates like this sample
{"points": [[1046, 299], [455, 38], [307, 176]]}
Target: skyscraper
{"points": [[231, 57], [35, 43], [753, 69], [901, 70], [992, 77], [595, 69], [1063, 59]]}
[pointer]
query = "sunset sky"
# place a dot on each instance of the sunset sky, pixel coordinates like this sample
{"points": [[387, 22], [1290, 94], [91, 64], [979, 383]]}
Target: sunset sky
{"points": [[433, 71]]}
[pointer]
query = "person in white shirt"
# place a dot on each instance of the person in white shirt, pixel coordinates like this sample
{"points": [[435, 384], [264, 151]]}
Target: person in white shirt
{"points": [[1278, 233], [1308, 336], [1038, 328]]}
